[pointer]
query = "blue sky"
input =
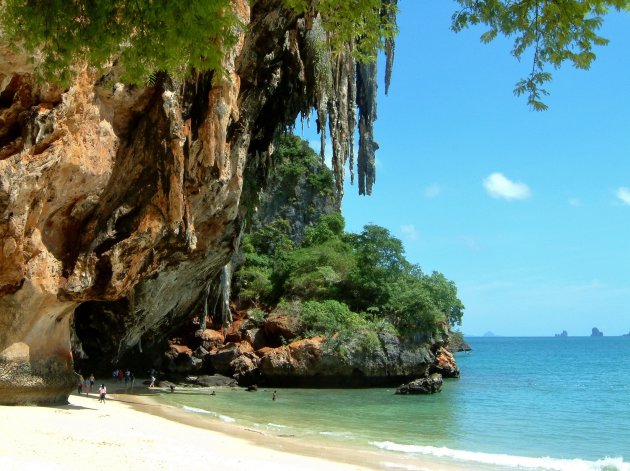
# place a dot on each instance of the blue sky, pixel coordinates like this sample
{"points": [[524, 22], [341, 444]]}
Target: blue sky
{"points": [[529, 213]]}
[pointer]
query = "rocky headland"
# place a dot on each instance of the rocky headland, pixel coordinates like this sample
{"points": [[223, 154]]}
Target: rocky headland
{"points": [[246, 352]]}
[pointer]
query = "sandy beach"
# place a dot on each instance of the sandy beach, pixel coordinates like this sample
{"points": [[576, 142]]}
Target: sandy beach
{"points": [[134, 432]]}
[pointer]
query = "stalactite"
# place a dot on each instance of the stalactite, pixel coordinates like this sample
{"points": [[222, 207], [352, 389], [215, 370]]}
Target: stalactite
{"points": [[341, 117], [204, 312], [225, 292], [352, 112], [318, 51], [340, 86], [390, 8], [366, 101]]}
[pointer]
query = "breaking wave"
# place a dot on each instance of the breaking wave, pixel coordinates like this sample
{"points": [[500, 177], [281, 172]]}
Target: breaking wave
{"points": [[510, 461]]}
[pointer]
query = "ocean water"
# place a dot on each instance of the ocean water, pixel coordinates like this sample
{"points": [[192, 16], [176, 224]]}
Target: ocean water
{"points": [[521, 403]]}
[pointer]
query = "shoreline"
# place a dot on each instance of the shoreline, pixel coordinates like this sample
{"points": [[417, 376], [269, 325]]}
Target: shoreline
{"points": [[134, 430], [337, 457]]}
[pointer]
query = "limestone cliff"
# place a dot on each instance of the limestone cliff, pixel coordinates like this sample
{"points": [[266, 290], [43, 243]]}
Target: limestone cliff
{"points": [[118, 203], [300, 189]]}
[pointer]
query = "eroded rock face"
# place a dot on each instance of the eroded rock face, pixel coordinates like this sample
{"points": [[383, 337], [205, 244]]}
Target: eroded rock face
{"points": [[120, 203], [311, 363], [445, 364]]}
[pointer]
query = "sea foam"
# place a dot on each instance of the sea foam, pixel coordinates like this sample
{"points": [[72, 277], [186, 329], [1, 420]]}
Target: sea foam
{"points": [[511, 461], [197, 410]]}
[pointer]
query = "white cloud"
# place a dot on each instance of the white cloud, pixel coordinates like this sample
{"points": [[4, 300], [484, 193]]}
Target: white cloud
{"points": [[433, 190], [409, 231], [499, 186], [623, 194]]}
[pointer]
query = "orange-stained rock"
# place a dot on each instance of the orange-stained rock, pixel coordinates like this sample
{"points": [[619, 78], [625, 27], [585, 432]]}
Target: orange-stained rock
{"points": [[263, 351], [245, 347], [297, 358], [445, 364], [317, 363], [109, 203], [281, 327], [181, 349], [233, 333], [211, 338]]}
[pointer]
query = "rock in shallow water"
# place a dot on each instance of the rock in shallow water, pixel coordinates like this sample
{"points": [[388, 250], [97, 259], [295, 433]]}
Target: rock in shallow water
{"points": [[429, 385]]}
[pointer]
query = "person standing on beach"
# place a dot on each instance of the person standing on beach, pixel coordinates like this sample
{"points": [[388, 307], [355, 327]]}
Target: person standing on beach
{"points": [[80, 386], [152, 382], [102, 392], [273, 397], [92, 380]]}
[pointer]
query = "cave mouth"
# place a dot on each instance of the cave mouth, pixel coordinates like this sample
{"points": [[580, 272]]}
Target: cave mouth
{"points": [[99, 343], [98, 327]]}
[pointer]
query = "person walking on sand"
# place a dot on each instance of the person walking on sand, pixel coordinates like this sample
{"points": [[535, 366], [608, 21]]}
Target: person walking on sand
{"points": [[273, 396], [102, 392], [80, 385], [92, 380], [152, 382]]}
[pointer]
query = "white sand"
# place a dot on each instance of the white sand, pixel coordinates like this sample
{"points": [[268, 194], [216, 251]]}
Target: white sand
{"points": [[90, 435]]}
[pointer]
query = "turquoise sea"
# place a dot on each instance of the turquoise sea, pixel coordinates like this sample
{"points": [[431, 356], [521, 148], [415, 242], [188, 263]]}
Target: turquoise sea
{"points": [[521, 403]]}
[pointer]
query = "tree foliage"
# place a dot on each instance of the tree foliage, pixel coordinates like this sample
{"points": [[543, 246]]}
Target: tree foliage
{"points": [[363, 25], [335, 275], [380, 262], [554, 31], [143, 36]]}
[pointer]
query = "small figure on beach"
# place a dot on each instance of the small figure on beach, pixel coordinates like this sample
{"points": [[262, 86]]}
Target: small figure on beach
{"points": [[273, 396], [120, 375], [213, 393], [92, 380], [80, 385], [132, 378], [86, 386], [102, 392], [152, 381], [172, 388]]}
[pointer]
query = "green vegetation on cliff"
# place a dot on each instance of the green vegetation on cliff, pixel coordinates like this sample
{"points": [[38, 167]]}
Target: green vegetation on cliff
{"points": [[340, 284]]}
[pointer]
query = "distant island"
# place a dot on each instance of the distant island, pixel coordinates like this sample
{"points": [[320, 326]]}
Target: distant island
{"points": [[626, 335], [563, 334], [596, 332], [489, 334]]}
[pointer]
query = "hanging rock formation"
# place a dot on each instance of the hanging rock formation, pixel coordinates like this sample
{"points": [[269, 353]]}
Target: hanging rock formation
{"points": [[119, 203]]}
